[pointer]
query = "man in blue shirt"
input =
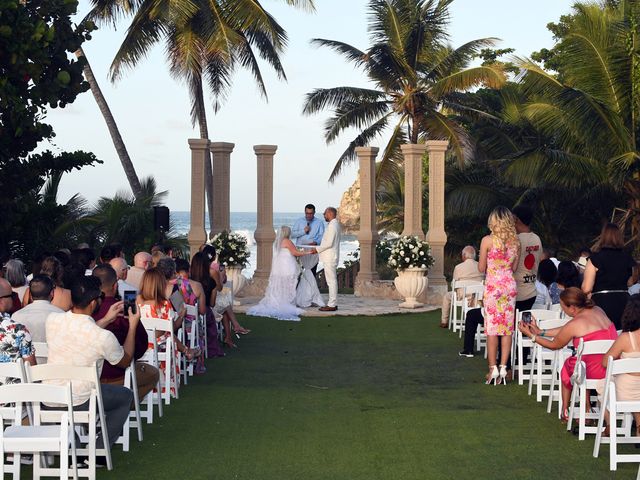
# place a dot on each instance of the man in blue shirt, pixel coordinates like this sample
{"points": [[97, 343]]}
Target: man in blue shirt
{"points": [[308, 230]]}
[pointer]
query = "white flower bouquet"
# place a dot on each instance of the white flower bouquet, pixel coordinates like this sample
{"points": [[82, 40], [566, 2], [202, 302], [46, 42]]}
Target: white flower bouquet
{"points": [[232, 249], [410, 252]]}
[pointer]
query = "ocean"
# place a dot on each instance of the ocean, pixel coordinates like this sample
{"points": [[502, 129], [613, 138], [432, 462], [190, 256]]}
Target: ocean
{"points": [[245, 223]]}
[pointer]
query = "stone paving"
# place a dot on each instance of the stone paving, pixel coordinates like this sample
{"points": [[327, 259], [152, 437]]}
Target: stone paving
{"points": [[347, 305]]}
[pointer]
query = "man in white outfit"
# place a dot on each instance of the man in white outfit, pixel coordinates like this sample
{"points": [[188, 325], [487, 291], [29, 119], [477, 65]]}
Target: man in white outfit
{"points": [[329, 250]]}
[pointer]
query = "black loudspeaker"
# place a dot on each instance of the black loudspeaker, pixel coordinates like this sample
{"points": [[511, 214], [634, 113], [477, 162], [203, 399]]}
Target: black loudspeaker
{"points": [[161, 218]]}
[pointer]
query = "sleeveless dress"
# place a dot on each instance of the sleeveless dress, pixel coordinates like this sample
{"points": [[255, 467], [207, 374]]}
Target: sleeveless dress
{"points": [[500, 291], [280, 296], [628, 384], [183, 285], [594, 370]]}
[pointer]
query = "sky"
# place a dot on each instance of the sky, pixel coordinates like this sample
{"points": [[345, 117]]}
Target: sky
{"points": [[152, 109]]}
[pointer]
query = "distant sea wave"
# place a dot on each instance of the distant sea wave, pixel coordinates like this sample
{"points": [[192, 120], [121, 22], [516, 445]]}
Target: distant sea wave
{"points": [[245, 223]]}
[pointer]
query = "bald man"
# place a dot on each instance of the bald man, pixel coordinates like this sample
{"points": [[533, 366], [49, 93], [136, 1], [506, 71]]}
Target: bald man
{"points": [[122, 271], [141, 263]]}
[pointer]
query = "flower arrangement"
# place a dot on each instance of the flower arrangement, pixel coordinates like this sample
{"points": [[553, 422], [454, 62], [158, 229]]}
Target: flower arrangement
{"points": [[232, 249], [410, 252]]}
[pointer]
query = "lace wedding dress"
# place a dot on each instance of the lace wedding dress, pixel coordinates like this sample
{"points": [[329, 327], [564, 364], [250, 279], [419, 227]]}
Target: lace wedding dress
{"points": [[279, 298]]}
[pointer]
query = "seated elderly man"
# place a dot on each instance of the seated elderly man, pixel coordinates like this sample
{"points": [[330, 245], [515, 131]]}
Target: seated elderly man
{"points": [[15, 339], [122, 269], [467, 270], [141, 263], [34, 315], [146, 375]]}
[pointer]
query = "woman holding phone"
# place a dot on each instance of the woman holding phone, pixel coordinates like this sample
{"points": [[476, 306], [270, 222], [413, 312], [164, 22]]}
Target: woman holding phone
{"points": [[588, 322]]}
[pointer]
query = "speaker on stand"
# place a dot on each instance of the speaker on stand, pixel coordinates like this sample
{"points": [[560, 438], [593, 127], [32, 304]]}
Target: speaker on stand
{"points": [[161, 221]]}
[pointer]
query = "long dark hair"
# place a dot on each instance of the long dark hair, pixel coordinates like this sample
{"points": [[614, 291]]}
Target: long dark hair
{"points": [[200, 273]]}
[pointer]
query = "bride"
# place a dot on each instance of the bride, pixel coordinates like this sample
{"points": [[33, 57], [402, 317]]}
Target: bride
{"points": [[279, 299]]}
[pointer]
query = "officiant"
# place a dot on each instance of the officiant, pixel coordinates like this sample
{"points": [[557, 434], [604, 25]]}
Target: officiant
{"points": [[308, 230]]}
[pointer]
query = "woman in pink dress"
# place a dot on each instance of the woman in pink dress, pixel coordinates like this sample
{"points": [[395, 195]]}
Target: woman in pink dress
{"points": [[588, 322], [499, 259]]}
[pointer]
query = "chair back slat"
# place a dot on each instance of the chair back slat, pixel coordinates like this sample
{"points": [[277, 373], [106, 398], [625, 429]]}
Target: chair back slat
{"points": [[159, 324], [552, 323], [625, 365]]}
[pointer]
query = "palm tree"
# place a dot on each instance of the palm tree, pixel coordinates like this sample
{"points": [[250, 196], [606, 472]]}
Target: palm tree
{"points": [[206, 41], [592, 107], [414, 74]]}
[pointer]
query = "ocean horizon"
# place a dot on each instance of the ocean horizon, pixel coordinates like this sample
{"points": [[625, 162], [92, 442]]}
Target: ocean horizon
{"points": [[245, 223]]}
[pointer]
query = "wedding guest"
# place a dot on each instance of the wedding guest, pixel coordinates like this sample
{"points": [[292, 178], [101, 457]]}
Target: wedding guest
{"points": [[52, 267], [34, 315], [106, 254], [530, 253], [85, 257], [199, 271], [568, 275], [467, 270], [588, 322], [141, 263], [15, 338], [608, 274], [583, 257], [156, 256], [122, 270], [308, 230], [499, 254], [547, 289], [14, 274], [146, 375]]}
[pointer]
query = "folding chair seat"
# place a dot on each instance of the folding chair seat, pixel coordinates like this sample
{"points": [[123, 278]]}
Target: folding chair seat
{"points": [[523, 370], [38, 438], [543, 361], [582, 385], [171, 382], [618, 409], [91, 418]]}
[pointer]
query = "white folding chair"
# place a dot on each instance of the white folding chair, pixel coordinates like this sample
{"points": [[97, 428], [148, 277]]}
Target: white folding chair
{"points": [[581, 385], [134, 418], [38, 438], [539, 361], [617, 408], [525, 370], [192, 337], [154, 397], [42, 352], [91, 417], [471, 298], [171, 379], [13, 370], [456, 323]]}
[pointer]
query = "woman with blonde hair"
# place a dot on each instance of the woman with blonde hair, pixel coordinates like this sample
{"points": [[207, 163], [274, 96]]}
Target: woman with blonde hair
{"points": [[499, 254]]}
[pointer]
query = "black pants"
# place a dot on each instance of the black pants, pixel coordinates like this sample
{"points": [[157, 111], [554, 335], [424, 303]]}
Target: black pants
{"points": [[475, 318]]}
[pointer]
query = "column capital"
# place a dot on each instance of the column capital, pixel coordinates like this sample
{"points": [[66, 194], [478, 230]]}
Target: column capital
{"points": [[367, 151], [198, 143], [437, 145], [221, 147], [413, 148], [265, 149]]}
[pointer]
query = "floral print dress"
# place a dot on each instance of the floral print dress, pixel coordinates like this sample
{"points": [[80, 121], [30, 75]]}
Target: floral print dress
{"points": [[500, 291]]}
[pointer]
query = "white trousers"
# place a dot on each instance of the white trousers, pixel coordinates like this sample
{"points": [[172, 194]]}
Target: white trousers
{"points": [[331, 277]]}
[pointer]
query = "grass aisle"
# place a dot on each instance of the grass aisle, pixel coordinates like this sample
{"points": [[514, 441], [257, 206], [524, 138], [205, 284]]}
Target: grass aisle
{"points": [[355, 398]]}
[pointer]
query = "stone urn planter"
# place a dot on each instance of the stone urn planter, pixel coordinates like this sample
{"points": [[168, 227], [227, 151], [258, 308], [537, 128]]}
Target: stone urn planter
{"points": [[238, 281], [411, 284]]}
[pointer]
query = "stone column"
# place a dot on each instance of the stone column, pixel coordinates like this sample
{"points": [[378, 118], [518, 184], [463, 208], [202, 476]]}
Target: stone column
{"points": [[368, 233], [436, 236], [221, 157], [264, 234], [197, 234], [413, 189]]}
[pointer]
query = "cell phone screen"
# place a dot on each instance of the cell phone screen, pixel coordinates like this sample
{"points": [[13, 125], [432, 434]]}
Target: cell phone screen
{"points": [[526, 317], [129, 301]]}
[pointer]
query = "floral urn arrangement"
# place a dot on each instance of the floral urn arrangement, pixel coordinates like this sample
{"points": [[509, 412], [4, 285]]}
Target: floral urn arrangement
{"points": [[233, 253], [411, 258]]}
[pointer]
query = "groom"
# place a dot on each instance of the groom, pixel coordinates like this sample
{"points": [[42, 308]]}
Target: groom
{"points": [[329, 250]]}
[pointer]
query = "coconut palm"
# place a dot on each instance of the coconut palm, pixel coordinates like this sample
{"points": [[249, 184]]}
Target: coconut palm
{"points": [[414, 72], [206, 41], [593, 112]]}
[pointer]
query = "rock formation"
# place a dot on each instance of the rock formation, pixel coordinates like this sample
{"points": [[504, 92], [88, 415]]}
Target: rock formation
{"points": [[349, 210]]}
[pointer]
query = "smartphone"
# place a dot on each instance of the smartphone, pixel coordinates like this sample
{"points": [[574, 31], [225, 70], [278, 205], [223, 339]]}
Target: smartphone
{"points": [[129, 302], [526, 317]]}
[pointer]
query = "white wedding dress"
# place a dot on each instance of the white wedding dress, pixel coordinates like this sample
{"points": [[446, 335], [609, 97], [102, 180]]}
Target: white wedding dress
{"points": [[280, 296], [307, 293]]}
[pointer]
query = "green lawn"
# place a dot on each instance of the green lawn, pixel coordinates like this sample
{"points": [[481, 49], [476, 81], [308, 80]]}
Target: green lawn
{"points": [[355, 398]]}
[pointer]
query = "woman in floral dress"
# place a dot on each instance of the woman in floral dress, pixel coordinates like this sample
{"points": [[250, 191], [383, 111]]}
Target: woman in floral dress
{"points": [[498, 259]]}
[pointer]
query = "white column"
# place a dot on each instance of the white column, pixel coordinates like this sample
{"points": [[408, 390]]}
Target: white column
{"points": [[221, 158], [437, 237], [368, 233], [197, 234], [413, 189], [264, 234]]}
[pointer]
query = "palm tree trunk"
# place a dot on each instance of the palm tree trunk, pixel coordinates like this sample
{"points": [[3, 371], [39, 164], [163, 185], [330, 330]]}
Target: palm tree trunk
{"points": [[118, 143], [204, 134]]}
